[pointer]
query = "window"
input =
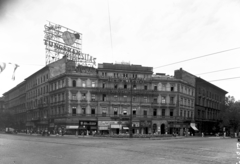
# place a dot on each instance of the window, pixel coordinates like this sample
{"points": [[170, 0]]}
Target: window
{"points": [[125, 86], [125, 112], [115, 97], [74, 97], [145, 87], [93, 111], [163, 99], [181, 113], [84, 96], [184, 115], [83, 110], [115, 112], [155, 88], [104, 112], [103, 85], [134, 86], [93, 98], [154, 112], [172, 88], [125, 98], [145, 99], [171, 112], [115, 86], [134, 99], [163, 112], [84, 84], [104, 97], [155, 99], [163, 87], [171, 100], [134, 112], [74, 83], [145, 112], [74, 110], [93, 84], [104, 74], [188, 114]]}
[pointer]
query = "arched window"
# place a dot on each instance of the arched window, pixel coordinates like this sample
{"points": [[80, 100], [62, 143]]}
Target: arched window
{"points": [[74, 83]]}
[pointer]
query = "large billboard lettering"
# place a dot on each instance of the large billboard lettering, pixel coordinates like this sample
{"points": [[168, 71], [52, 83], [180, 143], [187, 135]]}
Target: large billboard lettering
{"points": [[60, 41]]}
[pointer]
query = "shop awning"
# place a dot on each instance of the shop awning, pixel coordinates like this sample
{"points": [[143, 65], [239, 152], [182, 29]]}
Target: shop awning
{"points": [[103, 128], [193, 125], [115, 126]]}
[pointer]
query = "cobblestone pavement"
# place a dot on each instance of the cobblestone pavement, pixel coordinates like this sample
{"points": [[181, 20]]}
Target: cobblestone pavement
{"points": [[25, 149]]}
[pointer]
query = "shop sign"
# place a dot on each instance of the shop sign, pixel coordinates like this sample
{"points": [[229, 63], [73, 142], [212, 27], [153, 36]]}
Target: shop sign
{"points": [[103, 128], [72, 127], [116, 126], [87, 123], [104, 123], [126, 80], [135, 124], [145, 123]]}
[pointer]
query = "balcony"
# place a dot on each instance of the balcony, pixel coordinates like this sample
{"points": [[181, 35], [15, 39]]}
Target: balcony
{"points": [[83, 100], [74, 101]]}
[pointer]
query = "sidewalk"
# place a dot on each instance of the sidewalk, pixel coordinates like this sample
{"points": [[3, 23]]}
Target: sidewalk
{"points": [[123, 138]]}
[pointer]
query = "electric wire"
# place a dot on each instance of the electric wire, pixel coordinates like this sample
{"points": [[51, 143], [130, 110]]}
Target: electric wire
{"points": [[197, 57], [110, 28], [225, 79], [218, 71]]}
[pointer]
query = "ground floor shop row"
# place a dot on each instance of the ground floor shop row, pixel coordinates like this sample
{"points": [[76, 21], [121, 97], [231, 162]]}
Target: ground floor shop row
{"points": [[78, 127]]}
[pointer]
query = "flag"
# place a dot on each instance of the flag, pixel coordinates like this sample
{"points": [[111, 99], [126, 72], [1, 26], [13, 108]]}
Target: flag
{"points": [[15, 67], [2, 67]]}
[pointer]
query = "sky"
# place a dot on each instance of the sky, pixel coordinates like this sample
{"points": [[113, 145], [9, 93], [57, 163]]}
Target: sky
{"points": [[149, 33]]}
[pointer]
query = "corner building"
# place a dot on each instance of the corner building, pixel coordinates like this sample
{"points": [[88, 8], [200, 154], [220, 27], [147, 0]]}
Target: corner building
{"points": [[104, 99], [85, 98]]}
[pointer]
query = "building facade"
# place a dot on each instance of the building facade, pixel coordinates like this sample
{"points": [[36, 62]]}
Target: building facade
{"points": [[104, 99], [2, 105], [209, 101]]}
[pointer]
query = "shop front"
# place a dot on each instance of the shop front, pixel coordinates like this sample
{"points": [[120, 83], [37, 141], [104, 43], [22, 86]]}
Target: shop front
{"points": [[103, 127], [145, 127], [72, 129], [87, 127], [116, 128], [136, 127]]}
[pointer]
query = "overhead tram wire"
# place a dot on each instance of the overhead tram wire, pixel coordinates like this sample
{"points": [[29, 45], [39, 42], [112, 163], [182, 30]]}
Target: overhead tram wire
{"points": [[198, 57], [110, 28], [225, 79], [218, 71]]}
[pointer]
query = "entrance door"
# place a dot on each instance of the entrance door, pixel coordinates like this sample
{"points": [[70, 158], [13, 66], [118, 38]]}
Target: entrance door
{"points": [[163, 129], [154, 128], [146, 130]]}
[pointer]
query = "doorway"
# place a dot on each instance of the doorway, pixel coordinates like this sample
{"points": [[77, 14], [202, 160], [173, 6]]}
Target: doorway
{"points": [[163, 129]]}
